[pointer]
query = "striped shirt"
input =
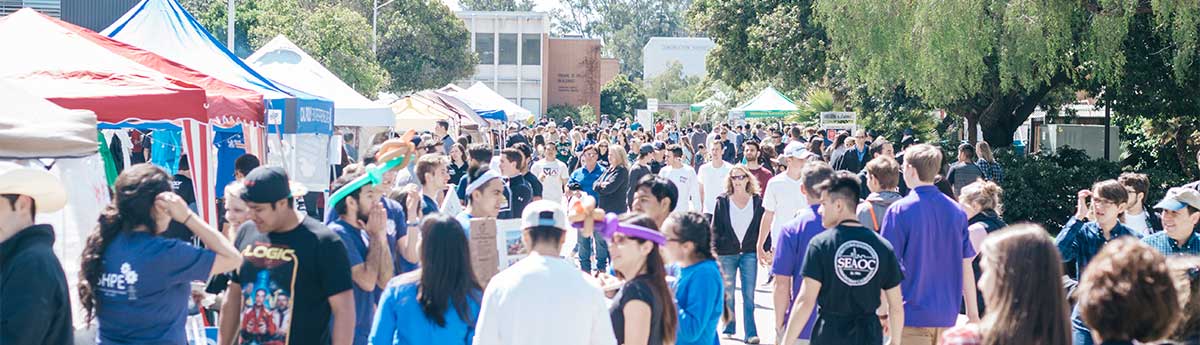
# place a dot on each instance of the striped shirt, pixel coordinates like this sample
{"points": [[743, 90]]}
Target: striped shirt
{"points": [[1168, 246]]}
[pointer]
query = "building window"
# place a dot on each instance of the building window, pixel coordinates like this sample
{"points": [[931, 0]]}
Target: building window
{"points": [[508, 49], [533, 105], [531, 49], [485, 46]]}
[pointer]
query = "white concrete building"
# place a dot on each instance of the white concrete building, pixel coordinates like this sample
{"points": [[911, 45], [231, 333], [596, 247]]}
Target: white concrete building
{"points": [[690, 52], [512, 54]]}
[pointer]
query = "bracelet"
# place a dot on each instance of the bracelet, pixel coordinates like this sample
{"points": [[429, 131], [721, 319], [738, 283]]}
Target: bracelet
{"points": [[185, 220], [412, 224]]}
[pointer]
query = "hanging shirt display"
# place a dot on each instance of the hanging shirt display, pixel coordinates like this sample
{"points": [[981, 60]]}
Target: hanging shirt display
{"points": [[165, 149]]}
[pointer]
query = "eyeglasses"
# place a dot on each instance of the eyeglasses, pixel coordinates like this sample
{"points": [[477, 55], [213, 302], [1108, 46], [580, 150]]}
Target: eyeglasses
{"points": [[1097, 201], [738, 177]]}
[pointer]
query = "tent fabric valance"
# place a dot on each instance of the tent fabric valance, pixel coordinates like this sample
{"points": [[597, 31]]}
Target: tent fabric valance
{"points": [[57, 133]]}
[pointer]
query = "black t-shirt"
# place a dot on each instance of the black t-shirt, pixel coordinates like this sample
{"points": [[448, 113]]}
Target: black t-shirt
{"points": [[183, 186], [853, 265], [456, 171], [638, 289], [534, 184], [520, 194], [655, 167], [286, 281]]}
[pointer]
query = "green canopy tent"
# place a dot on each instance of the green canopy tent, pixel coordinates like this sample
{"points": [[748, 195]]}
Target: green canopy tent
{"points": [[768, 103]]}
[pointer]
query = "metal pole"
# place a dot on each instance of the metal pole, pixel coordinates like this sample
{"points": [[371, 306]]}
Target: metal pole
{"points": [[374, 27], [229, 35], [1107, 126]]}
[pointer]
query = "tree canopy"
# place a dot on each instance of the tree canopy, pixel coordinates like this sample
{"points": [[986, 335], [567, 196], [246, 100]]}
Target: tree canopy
{"points": [[620, 98], [424, 45], [625, 25], [496, 5], [673, 87]]}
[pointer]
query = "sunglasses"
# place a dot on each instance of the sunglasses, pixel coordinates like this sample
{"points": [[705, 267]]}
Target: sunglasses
{"points": [[738, 177]]}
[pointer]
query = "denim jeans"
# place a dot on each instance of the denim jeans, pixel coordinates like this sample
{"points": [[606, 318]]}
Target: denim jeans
{"points": [[1080, 333], [744, 266], [585, 254]]}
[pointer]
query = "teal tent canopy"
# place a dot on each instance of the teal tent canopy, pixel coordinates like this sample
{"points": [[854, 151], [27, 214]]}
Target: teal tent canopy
{"points": [[768, 103]]}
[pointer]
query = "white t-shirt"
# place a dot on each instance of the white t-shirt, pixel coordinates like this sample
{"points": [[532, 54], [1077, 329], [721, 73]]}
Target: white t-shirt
{"points": [[543, 300], [1139, 223], [784, 198], [555, 173], [713, 179], [741, 218], [687, 183]]}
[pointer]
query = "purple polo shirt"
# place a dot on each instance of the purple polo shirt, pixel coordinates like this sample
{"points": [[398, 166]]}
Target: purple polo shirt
{"points": [[789, 259], [929, 232]]}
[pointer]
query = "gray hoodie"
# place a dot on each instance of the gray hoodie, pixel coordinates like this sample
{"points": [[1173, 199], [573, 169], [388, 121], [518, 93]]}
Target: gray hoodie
{"points": [[878, 202]]}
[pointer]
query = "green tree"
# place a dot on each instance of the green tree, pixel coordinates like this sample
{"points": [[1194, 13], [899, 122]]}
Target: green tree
{"points": [[625, 25], [621, 97], [673, 87], [423, 45], [581, 114], [334, 35], [764, 39], [496, 5]]}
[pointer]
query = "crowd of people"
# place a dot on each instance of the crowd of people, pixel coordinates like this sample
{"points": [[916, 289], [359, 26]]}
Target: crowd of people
{"points": [[867, 241]]}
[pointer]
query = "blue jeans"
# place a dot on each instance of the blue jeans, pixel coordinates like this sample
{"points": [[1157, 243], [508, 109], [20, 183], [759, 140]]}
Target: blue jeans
{"points": [[744, 266], [1080, 334], [585, 254]]}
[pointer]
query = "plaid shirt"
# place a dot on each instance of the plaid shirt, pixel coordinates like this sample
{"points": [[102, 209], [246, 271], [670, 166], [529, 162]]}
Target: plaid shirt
{"points": [[991, 171], [1166, 245]]}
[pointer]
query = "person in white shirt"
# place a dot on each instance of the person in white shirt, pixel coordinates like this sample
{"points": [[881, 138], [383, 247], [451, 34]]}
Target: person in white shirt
{"points": [[552, 173], [1136, 217], [712, 177], [544, 298], [783, 198], [685, 180]]}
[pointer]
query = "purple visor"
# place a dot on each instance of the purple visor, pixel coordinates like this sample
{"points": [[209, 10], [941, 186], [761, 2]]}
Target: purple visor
{"points": [[612, 225]]}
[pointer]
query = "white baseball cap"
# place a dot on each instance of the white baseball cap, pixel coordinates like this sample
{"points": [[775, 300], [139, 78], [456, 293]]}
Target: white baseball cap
{"points": [[544, 213], [47, 191]]}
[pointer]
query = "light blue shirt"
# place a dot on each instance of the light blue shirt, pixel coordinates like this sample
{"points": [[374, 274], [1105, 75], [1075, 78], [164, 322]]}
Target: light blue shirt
{"points": [[400, 319]]}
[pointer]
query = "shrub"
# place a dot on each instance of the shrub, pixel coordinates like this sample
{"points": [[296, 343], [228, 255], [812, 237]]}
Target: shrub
{"points": [[1042, 187]]}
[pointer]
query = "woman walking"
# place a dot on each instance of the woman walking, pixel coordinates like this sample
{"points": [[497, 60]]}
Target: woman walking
{"points": [[1021, 270], [699, 292], [643, 310], [133, 282], [458, 163], [612, 188], [992, 171], [437, 304], [736, 221], [981, 202]]}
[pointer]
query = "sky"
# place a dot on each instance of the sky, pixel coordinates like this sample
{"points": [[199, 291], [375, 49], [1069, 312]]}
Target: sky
{"points": [[541, 5]]}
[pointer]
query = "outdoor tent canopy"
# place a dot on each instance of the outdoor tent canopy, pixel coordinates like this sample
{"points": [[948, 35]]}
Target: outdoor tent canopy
{"points": [[57, 133], [167, 29], [56, 64], [768, 103], [486, 98], [227, 104], [284, 62]]}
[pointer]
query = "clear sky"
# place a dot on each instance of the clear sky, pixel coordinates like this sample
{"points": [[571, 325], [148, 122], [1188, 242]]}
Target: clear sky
{"points": [[542, 5]]}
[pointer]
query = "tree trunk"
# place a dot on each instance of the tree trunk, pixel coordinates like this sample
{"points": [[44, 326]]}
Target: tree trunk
{"points": [[1005, 114], [1182, 151]]}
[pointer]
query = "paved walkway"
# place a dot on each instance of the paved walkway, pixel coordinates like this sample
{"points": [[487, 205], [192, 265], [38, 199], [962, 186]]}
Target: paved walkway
{"points": [[764, 313]]}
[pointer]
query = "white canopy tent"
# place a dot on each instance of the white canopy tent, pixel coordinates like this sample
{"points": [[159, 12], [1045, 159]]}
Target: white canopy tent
{"points": [[480, 96], [32, 127], [284, 62]]}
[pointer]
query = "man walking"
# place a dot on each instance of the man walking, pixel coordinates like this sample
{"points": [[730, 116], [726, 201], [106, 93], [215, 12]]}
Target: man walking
{"points": [[684, 178], [640, 168], [362, 226], [34, 305], [712, 178], [929, 233], [441, 132], [1180, 214], [793, 244], [782, 199]]}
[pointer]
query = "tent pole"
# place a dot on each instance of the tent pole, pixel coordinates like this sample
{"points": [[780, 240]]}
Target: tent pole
{"points": [[229, 33]]}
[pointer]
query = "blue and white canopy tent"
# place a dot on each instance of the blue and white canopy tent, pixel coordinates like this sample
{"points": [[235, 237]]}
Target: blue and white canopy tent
{"points": [[300, 124]]}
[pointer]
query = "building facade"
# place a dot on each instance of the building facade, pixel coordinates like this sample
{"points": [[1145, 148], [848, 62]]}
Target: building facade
{"points": [[512, 55], [660, 52], [95, 15], [51, 8], [574, 72]]}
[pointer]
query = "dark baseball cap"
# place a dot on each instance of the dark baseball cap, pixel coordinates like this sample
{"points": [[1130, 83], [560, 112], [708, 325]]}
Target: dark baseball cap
{"points": [[659, 145], [645, 149], [266, 184]]}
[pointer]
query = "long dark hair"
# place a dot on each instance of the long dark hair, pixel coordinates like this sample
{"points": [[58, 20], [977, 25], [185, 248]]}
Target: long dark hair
{"points": [[656, 272], [446, 275], [132, 207], [1025, 305]]}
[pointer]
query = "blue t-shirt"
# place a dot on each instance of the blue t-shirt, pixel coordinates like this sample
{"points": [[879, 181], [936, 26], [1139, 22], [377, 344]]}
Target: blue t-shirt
{"points": [[397, 225], [357, 242], [165, 149], [428, 205], [401, 321], [699, 297], [145, 287], [789, 257], [586, 179], [929, 233]]}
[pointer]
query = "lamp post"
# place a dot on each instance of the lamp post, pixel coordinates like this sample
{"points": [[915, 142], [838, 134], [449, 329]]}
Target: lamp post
{"points": [[229, 26], [375, 24]]}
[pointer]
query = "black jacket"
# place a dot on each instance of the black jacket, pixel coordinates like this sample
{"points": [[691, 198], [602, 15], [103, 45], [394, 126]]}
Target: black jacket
{"points": [[615, 193], [34, 306], [846, 159], [725, 240], [635, 175]]}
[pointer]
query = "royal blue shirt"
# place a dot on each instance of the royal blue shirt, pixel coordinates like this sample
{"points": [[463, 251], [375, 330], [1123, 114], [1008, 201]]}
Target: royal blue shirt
{"points": [[1168, 246], [929, 233], [400, 320], [397, 225], [145, 286], [699, 297], [1080, 241], [356, 242], [789, 258], [586, 179]]}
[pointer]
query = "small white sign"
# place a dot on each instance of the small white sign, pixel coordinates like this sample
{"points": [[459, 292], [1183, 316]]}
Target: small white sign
{"points": [[652, 104], [839, 120]]}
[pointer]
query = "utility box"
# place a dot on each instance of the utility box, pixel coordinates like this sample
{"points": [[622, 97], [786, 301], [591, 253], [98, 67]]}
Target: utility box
{"points": [[1089, 138]]}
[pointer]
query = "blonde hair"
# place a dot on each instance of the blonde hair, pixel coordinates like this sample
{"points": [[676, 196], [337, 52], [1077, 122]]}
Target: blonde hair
{"points": [[926, 158], [985, 151], [983, 195], [751, 186], [617, 156]]}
